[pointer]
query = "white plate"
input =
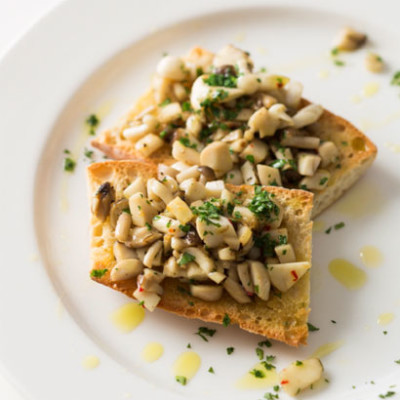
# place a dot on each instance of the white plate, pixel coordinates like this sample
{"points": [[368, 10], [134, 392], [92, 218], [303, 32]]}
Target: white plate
{"points": [[98, 56]]}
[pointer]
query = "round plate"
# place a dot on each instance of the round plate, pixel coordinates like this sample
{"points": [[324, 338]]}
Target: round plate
{"points": [[98, 57]]}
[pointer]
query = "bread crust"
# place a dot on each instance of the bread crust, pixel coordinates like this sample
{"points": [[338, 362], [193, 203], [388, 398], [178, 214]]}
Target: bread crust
{"points": [[282, 318]]}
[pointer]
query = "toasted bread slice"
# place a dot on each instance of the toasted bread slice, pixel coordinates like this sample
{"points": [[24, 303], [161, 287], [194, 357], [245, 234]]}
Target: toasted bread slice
{"points": [[356, 151], [283, 317]]}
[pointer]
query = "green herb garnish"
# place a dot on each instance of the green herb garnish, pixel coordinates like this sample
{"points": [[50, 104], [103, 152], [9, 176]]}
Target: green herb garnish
{"points": [[186, 142], [165, 102], [230, 350], [98, 273], [186, 258], [69, 164], [226, 320], [181, 379], [203, 332], [311, 327], [250, 158], [262, 206], [257, 373]]}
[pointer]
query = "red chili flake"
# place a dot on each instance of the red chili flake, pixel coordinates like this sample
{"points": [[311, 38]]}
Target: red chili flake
{"points": [[250, 294], [140, 289], [284, 382], [171, 230], [295, 276]]}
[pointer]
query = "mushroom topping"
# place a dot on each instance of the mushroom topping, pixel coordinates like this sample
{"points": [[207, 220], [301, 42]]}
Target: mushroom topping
{"points": [[236, 291], [307, 115], [245, 279], [192, 238], [308, 163], [349, 39], [374, 62], [284, 276], [260, 278], [123, 226], [126, 269], [217, 157], [117, 208], [122, 252], [141, 209], [150, 281], [206, 174], [142, 236], [300, 375], [316, 182], [102, 200], [172, 68], [206, 292], [328, 153]]}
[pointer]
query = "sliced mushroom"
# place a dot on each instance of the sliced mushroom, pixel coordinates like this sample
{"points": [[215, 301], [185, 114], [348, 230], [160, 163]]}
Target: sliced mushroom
{"points": [[193, 190], [201, 258], [260, 278], [117, 209], [150, 299], [150, 281], [301, 142], [172, 270], [236, 291], [141, 209], [245, 278], [192, 238], [329, 153], [307, 115], [126, 269], [308, 163], [122, 252], [285, 253], [284, 276], [152, 253], [257, 151], [349, 39], [123, 227], [206, 174], [316, 182], [218, 232], [249, 173], [101, 203], [196, 273], [217, 157], [138, 185], [215, 188], [180, 210], [226, 254], [142, 236], [300, 375], [269, 175], [217, 277], [206, 292], [168, 225]]}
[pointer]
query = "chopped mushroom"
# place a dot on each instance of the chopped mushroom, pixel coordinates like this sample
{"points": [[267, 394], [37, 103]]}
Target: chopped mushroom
{"points": [[284, 276], [126, 269], [260, 278], [374, 62], [101, 203], [328, 152], [206, 292], [349, 39], [308, 163], [216, 156], [316, 182], [236, 291]]}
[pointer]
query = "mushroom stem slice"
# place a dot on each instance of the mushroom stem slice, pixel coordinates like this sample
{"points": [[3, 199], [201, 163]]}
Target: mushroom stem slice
{"points": [[236, 291], [260, 278], [284, 276], [206, 292]]}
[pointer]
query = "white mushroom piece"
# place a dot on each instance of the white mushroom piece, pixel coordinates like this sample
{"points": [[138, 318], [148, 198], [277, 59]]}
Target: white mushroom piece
{"points": [[231, 55], [101, 202], [300, 375], [349, 39], [316, 182], [206, 292], [126, 269], [374, 62], [284, 276]]}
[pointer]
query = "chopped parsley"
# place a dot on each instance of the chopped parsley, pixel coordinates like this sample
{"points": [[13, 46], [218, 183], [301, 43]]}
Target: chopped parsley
{"points": [[262, 206], [203, 332], [250, 158], [184, 228], [211, 370], [397, 361], [92, 121], [237, 215], [260, 353], [340, 225], [186, 258], [335, 51], [339, 63], [165, 102], [265, 343], [271, 396], [226, 321], [163, 134], [311, 327], [181, 379], [268, 366], [226, 80], [328, 231], [188, 346], [148, 226], [390, 393], [186, 106], [257, 373], [69, 164], [299, 363], [126, 210], [88, 153], [396, 79], [186, 142], [323, 180], [208, 212], [98, 273], [230, 350]]}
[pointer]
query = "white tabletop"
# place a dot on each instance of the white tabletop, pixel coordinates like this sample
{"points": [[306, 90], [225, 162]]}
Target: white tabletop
{"points": [[16, 16]]}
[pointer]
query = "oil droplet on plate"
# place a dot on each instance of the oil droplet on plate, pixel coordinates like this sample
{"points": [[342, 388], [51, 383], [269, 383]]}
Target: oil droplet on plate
{"points": [[319, 226], [128, 317], [364, 199], [395, 148], [249, 381], [152, 352], [347, 273], [323, 74], [90, 362], [370, 89], [187, 365], [385, 319], [355, 99], [371, 256], [327, 348]]}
